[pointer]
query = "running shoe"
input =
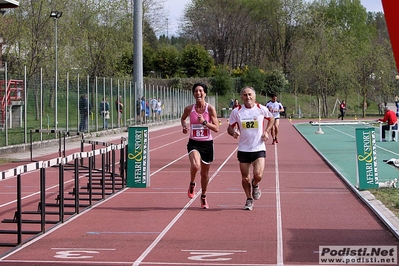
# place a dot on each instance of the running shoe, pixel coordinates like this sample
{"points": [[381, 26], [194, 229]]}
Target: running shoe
{"points": [[204, 203], [191, 190], [276, 140], [255, 191], [249, 204], [273, 142]]}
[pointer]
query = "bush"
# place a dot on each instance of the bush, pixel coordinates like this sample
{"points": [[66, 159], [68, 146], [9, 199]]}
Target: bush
{"points": [[221, 82]]}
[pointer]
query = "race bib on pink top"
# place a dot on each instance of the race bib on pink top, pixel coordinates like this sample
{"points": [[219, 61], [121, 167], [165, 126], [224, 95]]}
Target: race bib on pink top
{"points": [[199, 131]]}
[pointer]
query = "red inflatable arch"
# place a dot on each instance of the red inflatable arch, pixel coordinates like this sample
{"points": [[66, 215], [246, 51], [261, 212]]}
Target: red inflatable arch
{"points": [[391, 8]]}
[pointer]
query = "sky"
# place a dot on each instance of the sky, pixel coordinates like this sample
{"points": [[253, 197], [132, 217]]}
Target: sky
{"points": [[175, 9]]}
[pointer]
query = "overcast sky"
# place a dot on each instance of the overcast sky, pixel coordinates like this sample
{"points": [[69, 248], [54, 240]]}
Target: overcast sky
{"points": [[176, 8]]}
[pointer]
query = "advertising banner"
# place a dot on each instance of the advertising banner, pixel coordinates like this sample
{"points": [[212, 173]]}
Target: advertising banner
{"points": [[138, 158], [366, 157]]}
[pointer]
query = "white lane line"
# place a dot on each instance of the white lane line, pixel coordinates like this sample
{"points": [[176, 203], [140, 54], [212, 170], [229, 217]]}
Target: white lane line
{"points": [[35, 193], [168, 144], [53, 229], [169, 226], [280, 259]]}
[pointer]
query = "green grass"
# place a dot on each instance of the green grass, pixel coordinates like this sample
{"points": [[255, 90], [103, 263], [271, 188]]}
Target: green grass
{"points": [[389, 197], [5, 160]]}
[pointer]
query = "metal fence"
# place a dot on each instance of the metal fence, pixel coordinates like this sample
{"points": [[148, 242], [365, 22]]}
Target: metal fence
{"points": [[46, 107]]}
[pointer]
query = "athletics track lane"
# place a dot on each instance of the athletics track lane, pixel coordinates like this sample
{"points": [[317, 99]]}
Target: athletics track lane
{"points": [[30, 189], [303, 205]]}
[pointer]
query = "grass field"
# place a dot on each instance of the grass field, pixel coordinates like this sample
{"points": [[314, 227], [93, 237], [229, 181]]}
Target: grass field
{"points": [[389, 197]]}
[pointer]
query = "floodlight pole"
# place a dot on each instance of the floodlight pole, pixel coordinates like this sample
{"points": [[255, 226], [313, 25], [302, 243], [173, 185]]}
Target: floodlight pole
{"points": [[167, 30], [138, 48], [56, 15]]}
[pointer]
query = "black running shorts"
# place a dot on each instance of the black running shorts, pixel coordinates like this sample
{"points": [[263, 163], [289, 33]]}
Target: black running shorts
{"points": [[205, 149], [250, 157]]}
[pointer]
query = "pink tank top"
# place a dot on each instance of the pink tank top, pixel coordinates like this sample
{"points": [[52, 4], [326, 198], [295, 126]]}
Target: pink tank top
{"points": [[198, 131]]}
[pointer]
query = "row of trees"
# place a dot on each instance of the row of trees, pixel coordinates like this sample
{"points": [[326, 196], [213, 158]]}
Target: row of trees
{"points": [[323, 48]]}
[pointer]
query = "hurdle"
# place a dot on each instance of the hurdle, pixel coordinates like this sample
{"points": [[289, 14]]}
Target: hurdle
{"points": [[61, 136], [25, 221], [18, 172], [337, 123]]}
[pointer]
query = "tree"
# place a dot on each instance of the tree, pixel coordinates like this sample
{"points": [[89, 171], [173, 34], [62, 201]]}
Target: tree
{"points": [[196, 61], [275, 82], [218, 26], [254, 77], [167, 62], [221, 81], [30, 43]]}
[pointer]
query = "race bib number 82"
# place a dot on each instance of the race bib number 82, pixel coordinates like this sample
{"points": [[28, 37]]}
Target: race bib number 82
{"points": [[249, 124], [200, 131]]}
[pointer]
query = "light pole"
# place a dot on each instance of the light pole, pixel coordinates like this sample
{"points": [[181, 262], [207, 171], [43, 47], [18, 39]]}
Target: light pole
{"points": [[56, 15], [167, 30]]}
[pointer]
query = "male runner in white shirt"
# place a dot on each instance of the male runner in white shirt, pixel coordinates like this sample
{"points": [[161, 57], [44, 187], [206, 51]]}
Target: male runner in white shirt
{"points": [[246, 122], [275, 108]]}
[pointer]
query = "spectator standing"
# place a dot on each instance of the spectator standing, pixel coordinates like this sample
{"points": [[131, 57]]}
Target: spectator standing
{"points": [[138, 109], [84, 113], [104, 111], [203, 120], [342, 110], [391, 120], [147, 111], [397, 104], [159, 109], [246, 123], [236, 104], [275, 107], [119, 109], [142, 110], [153, 106], [231, 104]]}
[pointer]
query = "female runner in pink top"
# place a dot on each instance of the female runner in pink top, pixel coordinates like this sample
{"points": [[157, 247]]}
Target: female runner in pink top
{"points": [[203, 120]]}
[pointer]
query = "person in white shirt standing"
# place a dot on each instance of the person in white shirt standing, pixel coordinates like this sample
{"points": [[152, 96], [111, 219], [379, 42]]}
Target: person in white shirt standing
{"points": [[159, 109], [153, 105], [275, 107], [246, 122]]}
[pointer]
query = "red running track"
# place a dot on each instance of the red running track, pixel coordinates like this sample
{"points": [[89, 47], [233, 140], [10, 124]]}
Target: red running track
{"points": [[304, 205]]}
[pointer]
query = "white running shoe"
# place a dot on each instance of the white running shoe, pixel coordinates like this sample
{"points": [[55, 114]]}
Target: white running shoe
{"points": [[249, 204]]}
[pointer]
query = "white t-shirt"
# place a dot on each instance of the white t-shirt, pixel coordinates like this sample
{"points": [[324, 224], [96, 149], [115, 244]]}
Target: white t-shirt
{"points": [[251, 125], [153, 104], [274, 108]]}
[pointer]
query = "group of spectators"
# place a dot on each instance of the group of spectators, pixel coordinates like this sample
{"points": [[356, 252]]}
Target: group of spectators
{"points": [[148, 110], [143, 109]]}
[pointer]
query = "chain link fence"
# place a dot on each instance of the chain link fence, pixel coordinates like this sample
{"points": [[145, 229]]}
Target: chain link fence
{"points": [[37, 104]]}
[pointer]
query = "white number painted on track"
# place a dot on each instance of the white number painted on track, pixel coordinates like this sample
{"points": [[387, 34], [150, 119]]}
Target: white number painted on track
{"points": [[75, 254], [208, 255]]}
